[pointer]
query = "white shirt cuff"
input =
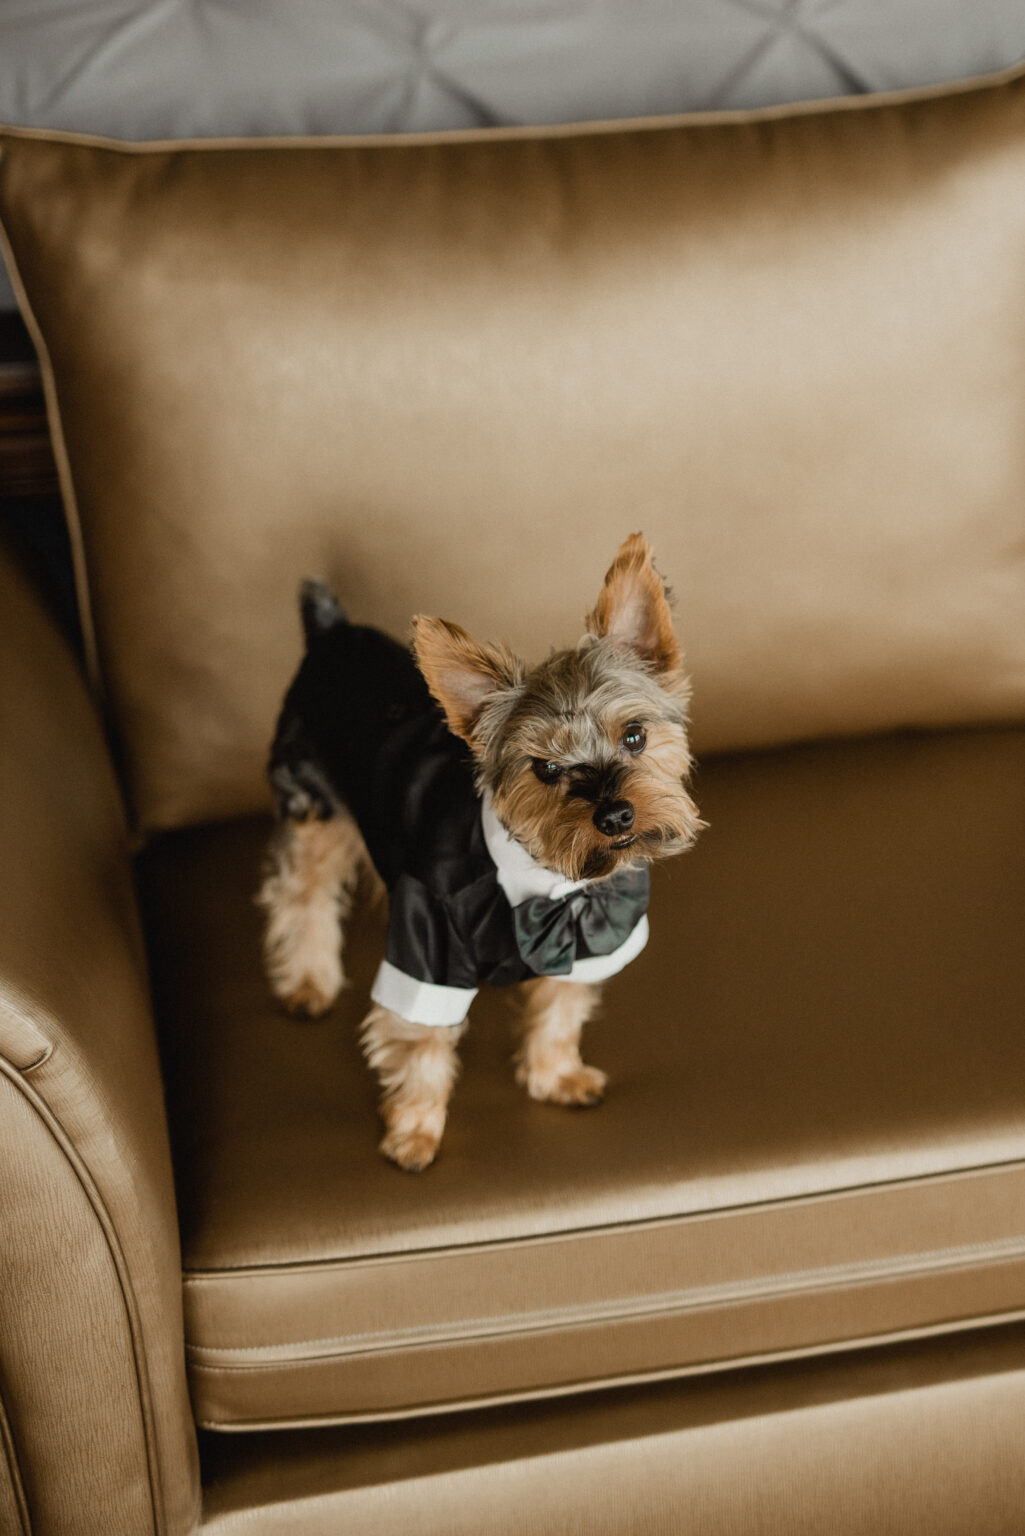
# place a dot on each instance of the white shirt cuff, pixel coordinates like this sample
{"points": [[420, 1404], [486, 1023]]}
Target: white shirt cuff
{"points": [[420, 1002]]}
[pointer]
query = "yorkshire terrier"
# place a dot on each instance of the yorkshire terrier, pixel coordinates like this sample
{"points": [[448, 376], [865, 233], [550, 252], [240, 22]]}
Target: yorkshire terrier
{"points": [[513, 828]]}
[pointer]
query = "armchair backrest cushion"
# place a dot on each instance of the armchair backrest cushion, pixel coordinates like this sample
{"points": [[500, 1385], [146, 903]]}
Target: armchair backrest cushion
{"points": [[450, 373]]}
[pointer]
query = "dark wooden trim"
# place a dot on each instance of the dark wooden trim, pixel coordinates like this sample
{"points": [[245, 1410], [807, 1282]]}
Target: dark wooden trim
{"points": [[31, 512], [27, 468]]}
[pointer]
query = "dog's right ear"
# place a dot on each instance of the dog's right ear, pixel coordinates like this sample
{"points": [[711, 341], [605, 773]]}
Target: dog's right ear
{"points": [[461, 674], [633, 607]]}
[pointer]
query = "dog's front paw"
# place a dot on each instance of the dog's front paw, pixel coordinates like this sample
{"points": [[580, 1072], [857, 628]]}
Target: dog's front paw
{"points": [[578, 1086], [411, 1149], [309, 1000]]}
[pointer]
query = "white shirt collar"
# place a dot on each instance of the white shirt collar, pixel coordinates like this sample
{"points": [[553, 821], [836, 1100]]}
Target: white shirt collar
{"points": [[520, 876]]}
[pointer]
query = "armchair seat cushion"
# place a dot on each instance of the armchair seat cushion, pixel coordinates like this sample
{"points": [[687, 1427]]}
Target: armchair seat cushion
{"points": [[814, 1135]]}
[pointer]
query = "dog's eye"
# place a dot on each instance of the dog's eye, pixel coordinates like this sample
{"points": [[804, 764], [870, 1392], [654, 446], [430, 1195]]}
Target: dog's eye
{"points": [[635, 737], [547, 772]]}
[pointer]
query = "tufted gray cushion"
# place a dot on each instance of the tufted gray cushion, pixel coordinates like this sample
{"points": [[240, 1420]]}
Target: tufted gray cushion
{"points": [[139, 69]]}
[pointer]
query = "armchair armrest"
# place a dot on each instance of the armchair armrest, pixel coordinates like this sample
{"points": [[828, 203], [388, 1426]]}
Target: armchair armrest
{"points": [[96, 1433]]}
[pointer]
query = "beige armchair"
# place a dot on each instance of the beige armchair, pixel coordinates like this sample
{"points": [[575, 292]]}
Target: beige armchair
{"points": [[776, 1283]]}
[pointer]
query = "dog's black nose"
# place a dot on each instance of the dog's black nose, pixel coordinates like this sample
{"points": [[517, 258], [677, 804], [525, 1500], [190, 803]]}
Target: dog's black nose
{"points": [[614, 817]]}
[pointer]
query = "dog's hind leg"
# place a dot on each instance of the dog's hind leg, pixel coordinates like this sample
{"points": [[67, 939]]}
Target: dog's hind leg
{"points": [[311, 875]]}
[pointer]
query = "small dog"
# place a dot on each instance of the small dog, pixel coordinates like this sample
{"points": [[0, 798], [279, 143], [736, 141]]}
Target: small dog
{"points": [[512, 828]]}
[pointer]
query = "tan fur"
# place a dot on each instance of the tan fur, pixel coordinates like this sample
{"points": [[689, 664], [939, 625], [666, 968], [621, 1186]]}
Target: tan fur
{"points": [[307, 895], [656, 789], [574, 710], [556, 828], [633, 609], [417, 1066], [548, 1063], [460, 672]]}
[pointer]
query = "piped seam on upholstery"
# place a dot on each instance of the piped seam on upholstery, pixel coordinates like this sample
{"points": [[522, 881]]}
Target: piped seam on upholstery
{"points": [[699, 1368], [21, 1015], [9, 1452], [196, 1278], [691, 1299]]}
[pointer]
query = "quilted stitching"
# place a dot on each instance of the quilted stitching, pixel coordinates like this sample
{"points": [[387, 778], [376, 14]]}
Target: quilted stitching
{"points": [[196, 68], [169, 68]]}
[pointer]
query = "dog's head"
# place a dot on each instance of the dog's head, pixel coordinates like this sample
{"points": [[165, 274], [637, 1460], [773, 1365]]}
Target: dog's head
{"points": [[585, 756]]}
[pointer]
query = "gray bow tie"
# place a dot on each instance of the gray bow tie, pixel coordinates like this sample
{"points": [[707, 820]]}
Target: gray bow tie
{"points": [[551, 935]]}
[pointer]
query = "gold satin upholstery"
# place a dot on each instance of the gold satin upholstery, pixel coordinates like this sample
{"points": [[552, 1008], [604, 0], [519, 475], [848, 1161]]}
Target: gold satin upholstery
{"points": [[451, 373], [893, 1442], [99, 1432], [813, 1135]]}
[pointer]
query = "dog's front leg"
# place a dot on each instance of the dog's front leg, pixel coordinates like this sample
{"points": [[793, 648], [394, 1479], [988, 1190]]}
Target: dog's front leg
{"points": [[417, 1066], [548, 1063]]}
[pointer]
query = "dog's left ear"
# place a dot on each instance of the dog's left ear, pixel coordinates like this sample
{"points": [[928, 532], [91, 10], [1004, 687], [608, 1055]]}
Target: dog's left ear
{"points": [[632, 607], [461, 673]]}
